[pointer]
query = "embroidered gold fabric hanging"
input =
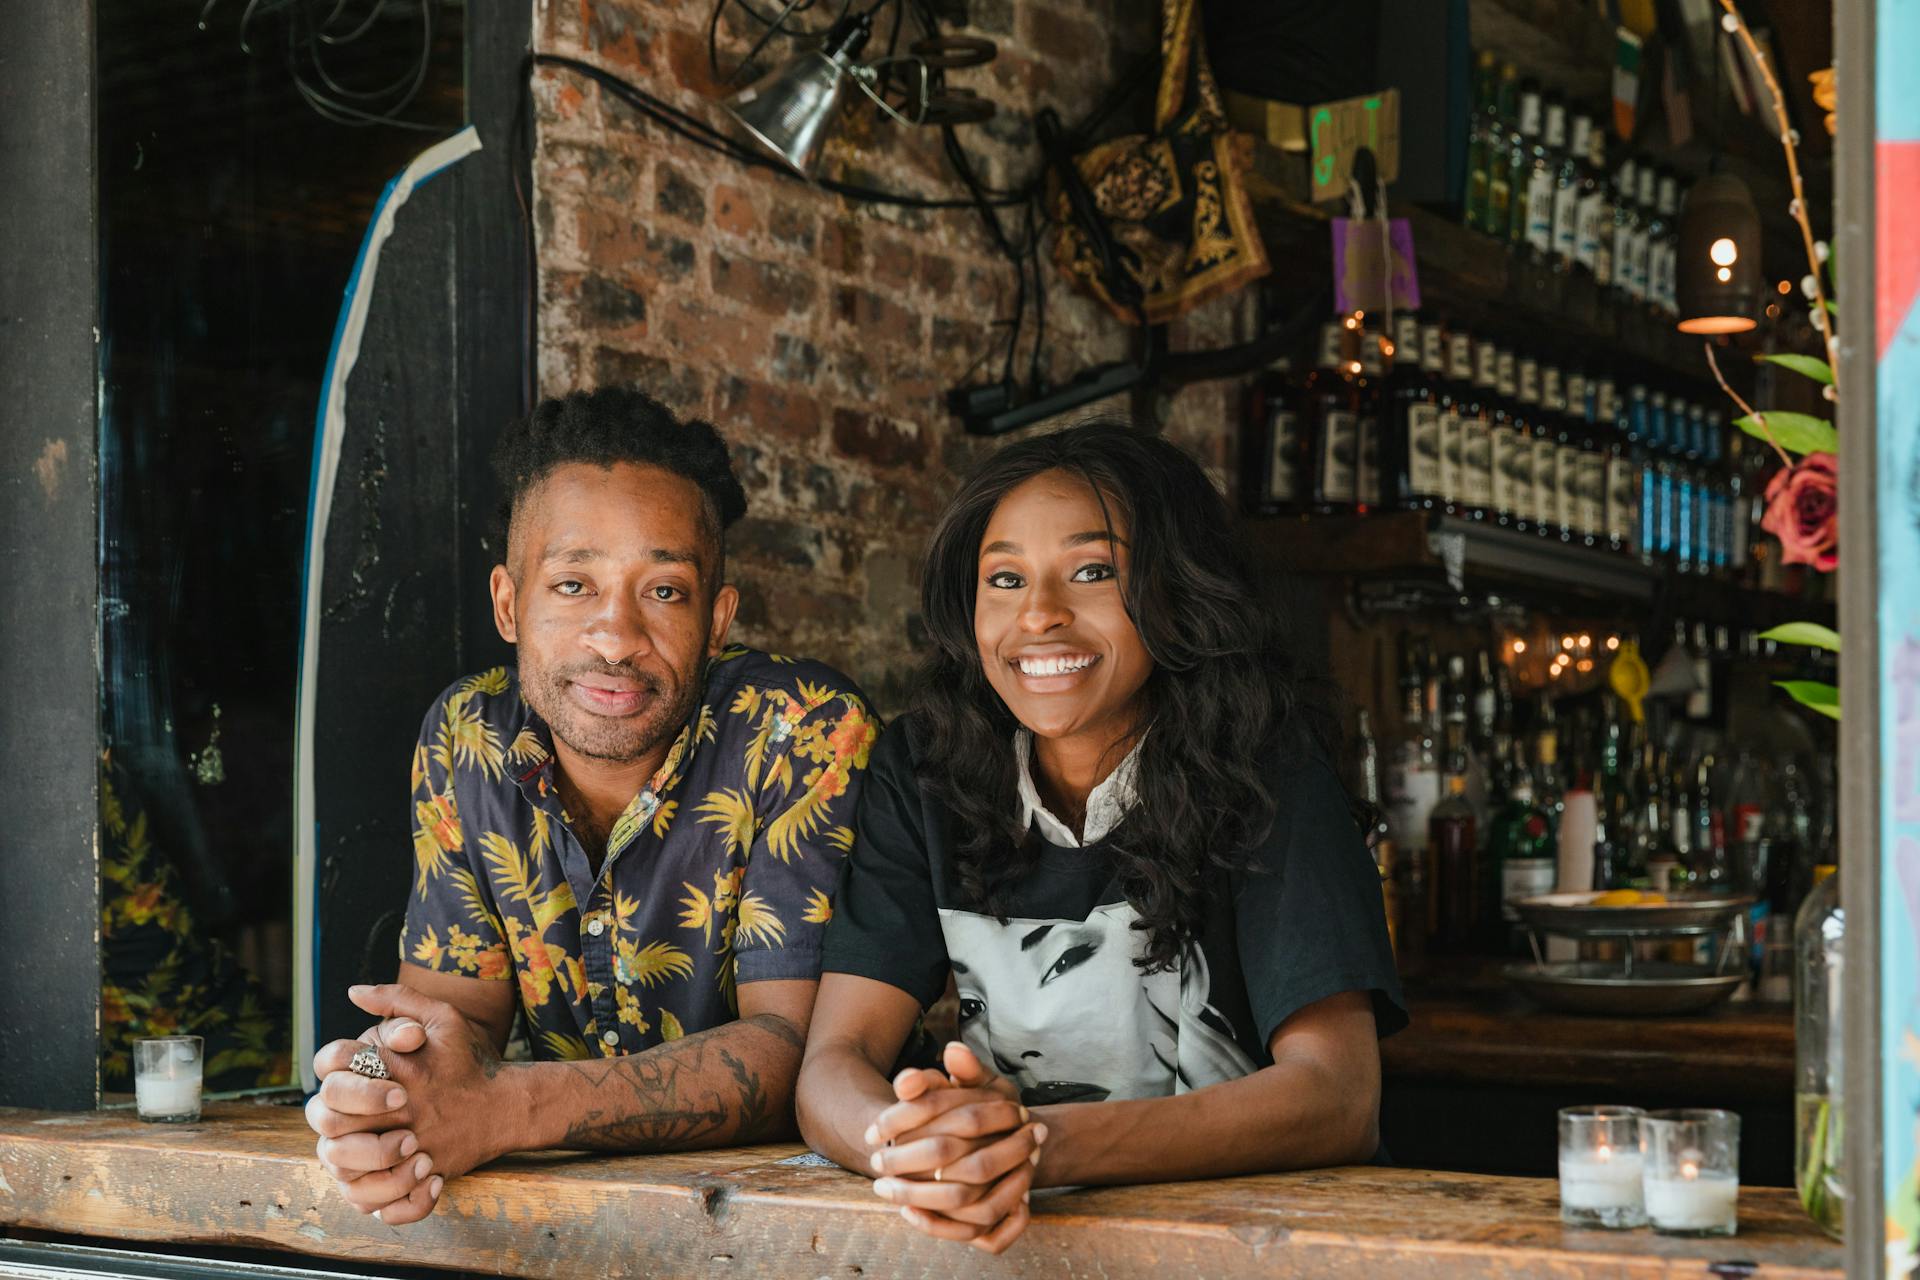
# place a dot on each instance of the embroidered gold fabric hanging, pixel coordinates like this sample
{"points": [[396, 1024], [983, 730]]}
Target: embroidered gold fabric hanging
{"points": [[1175, 200]]}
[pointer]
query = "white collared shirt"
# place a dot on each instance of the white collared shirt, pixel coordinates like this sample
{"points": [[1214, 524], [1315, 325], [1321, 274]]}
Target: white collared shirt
{"points": [[1107, 803]]}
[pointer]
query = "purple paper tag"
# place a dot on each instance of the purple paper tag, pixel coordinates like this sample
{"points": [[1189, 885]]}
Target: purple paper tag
{"points": [[1360, 272]]}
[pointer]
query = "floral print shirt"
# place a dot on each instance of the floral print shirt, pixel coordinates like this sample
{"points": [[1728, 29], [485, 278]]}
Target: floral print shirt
{"points": [[718, 872]]}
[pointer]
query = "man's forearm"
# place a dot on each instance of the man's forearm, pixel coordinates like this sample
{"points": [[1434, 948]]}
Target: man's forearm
{"points": [[725, 1086]]}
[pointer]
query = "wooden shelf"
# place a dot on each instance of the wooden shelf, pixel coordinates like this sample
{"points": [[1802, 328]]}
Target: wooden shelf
{"points": [[1463, 555], [1474, 278]]}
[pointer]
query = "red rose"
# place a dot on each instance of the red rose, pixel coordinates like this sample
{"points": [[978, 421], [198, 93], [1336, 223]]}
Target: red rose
{"points": [[1802, 511]]}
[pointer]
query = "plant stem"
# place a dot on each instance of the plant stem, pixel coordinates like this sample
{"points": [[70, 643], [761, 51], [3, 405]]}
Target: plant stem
{"points": [[1799, 192], [1758, 417]]}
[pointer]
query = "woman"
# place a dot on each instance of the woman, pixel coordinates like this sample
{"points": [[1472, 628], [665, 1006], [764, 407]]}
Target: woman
{"points": [[1109, 819]]}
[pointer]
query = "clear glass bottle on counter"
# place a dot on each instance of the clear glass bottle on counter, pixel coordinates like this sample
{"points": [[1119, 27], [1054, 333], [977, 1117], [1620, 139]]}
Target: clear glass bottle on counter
{"points": [[1819, 1147]]}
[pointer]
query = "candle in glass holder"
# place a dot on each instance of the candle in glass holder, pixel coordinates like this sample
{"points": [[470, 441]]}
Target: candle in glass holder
{"points": [[1600, 1167], [1691, 1161], [166, 1078]]}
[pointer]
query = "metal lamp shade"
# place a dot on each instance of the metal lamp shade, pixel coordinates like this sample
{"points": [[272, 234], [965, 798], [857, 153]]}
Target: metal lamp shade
{"points": [[1717, 276], [791, 110]]}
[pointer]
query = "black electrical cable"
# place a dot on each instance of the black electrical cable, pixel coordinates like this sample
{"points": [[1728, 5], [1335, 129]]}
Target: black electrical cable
{"points": [[702, 134]]}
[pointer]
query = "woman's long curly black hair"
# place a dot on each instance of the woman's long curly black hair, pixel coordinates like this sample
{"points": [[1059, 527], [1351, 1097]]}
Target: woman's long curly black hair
{"points": [[1223, 707]]}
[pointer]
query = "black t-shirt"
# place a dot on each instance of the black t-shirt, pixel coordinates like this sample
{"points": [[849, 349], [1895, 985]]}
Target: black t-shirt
{"points": [[1053, 999]]}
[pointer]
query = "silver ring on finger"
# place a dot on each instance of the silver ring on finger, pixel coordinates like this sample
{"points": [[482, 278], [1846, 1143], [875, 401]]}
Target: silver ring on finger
{"points": [[370, 1064]]}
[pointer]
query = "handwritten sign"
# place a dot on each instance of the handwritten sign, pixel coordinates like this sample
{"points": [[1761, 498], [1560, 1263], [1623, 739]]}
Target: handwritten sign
{"points": [[1337, 130]]}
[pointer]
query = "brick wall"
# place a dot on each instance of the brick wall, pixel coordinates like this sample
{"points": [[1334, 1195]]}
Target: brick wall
{"points": [[818, 334]]}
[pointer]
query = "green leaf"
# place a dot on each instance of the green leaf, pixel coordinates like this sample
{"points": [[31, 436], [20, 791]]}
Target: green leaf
{"points": [[1814, 695], [1806, 366], [1794, 432], [1807, 633]]}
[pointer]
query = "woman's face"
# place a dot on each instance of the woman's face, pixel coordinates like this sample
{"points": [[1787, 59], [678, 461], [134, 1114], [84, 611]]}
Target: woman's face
{"points": [[1050, 615]]}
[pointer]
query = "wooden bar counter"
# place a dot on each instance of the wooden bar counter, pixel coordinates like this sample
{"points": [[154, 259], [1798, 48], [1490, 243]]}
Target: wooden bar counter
{"points": [[245, 1177], [1474, 1082]]}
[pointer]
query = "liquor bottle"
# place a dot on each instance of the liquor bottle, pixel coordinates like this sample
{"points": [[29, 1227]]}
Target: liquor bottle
{"points": [[1457, 728], [1685, 551], [1620, 485], [1409, 481], [1543, 472], [1556, 459], [1547, 782], [1741, 484], [1502, 138], [1626, 224], [1637, 243], [1486, 706], [1391, 413], [1510, 465], [1413, 773], [1274, 469], [1666, 480], [1524, 145], [1332, 421], [1452, 852], [1595, 437], [1486, 414], [1369, 398], [1521, 846], [1543, 166], [1663, 252], [1568, 188], [1486, 139], [1711, 867], [1454, 394], [1593, 244]]}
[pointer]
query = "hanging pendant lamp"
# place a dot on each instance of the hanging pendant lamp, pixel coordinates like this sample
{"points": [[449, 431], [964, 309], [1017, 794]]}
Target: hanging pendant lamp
{"points": [[791, 110], [1717, 274]]}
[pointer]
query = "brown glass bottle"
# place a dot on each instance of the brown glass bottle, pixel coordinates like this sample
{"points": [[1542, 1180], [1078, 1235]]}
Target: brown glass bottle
{"points": [[1333, 420]]}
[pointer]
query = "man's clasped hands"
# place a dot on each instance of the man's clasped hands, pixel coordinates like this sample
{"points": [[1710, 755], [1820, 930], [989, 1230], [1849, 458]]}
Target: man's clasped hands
{"points": [[956, 1151]]}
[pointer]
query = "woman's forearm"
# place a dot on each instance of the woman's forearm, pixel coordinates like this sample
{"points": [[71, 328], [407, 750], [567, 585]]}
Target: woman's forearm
{"points": [[1293, 1115], [840, 1092]]}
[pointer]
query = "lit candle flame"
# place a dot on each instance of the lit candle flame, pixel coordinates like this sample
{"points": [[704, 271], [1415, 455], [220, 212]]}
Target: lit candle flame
{"points": [[1605, 1153], [1689, 1170]]}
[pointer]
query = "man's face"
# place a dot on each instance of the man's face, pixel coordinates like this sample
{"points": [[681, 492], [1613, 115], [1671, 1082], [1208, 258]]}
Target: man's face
{"points": [[609, 595]]}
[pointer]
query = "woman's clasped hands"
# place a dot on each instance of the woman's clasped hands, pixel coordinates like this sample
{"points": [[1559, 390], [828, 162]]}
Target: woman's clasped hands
{"points": [[957, 1152]]}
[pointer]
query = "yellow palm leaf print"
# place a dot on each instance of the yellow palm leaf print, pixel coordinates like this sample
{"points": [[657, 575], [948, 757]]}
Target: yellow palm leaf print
{"points": [[436, 837], [476, 904], [798, 821], [745, 702], [841, 838], [655, 963], [427, 950], [731, 811], [510, 868], [812, 695], [492, 682], [670, 1026], [758, 922], [526, 748], [541, 837], [624, 909], [663, 817], [467, 740], [419, 773], [565, 1046], [698, 913], [819, 908], [782, 773], [708, 727]]}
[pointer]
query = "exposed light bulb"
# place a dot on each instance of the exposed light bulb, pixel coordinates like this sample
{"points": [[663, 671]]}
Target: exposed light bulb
{"points": [[1724, 252]]}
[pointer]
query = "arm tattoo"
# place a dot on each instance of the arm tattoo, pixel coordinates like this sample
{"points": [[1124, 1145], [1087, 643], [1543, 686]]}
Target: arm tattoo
{"points": [[704, 1090]]}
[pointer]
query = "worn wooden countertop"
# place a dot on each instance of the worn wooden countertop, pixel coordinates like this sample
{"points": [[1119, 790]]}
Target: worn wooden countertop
{"points": [[1471, 1027], [245, 1177]]}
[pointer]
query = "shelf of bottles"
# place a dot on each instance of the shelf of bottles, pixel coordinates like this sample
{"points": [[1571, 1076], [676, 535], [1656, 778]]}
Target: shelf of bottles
{"points": [[1493, 794], [1569, 466]]}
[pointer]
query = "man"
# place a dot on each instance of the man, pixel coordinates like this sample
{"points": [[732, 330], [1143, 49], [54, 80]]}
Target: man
{"points": [[629, 842]]}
